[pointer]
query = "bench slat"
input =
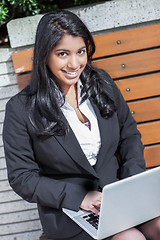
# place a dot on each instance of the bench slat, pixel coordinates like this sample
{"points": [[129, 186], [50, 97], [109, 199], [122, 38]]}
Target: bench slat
{"points": [[150, 132], [140, 87], [145, 110], [152, 155], [135, 63], [22, 60], [130, 64], [127, 40], [23, 80]]}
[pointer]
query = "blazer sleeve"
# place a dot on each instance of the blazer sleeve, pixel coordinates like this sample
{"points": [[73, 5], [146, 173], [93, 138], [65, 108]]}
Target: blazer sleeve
{"points": [[130, 145], [23, 170]]}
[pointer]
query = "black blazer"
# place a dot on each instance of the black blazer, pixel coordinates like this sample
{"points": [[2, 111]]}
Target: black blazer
{"points": [[55, 173]]}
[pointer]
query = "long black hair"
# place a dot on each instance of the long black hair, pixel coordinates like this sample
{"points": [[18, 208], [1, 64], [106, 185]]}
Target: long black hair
{"points": [[44, 95]]}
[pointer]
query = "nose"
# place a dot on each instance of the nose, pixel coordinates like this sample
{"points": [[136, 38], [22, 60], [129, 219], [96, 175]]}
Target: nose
{"points": [[73, 62]]}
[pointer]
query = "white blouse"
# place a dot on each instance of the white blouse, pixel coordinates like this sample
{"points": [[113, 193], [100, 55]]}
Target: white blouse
{"points": [[89, 139]]}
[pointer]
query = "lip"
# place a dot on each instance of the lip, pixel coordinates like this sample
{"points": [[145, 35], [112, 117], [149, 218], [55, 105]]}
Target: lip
{"points": [[71, 73]]}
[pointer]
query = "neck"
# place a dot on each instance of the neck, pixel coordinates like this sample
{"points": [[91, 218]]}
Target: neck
{"points": [[71, 96]]}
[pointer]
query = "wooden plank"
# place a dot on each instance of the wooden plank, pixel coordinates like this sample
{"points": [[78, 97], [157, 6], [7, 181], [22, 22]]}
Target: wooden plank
{"points": [[106, 44], [120, 41], [127, 40], [140, 87], [145, 110], [23, 80], [119, 66], [130, 64], [131, 88], [22, 60], [150, 132], [152, 155]]}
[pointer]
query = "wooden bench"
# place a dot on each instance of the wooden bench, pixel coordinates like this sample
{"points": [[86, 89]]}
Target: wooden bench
{"points": [[132, 58]]}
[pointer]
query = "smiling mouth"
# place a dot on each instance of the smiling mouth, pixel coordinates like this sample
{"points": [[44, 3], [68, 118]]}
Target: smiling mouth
{"points": [[71, 73]]}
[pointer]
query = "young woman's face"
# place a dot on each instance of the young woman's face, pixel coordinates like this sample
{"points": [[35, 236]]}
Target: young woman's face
{"points": [[67, 60]]}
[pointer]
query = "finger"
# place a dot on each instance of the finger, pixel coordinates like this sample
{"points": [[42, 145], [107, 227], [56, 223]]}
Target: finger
{"points": [[94, 210]]}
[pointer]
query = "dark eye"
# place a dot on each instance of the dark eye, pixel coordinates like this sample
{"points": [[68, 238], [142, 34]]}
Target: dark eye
{"points": [[81, 52], [62, 54]]}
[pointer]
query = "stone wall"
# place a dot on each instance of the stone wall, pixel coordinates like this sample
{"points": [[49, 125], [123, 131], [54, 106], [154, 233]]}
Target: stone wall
{"points": [[19, 219], [98, 17]]}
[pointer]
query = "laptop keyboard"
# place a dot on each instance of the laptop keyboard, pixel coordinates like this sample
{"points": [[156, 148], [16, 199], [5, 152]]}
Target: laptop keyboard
{"points": [[93, 219]]}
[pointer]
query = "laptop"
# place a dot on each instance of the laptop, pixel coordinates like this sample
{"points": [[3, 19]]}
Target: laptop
{"points": [[125, 204]]}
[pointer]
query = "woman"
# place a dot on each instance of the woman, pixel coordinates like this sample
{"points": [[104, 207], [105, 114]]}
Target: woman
{"points": [[61, 133]]}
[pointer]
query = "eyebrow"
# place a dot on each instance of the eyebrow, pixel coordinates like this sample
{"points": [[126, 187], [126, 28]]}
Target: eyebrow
{"points": [[66, 50]]}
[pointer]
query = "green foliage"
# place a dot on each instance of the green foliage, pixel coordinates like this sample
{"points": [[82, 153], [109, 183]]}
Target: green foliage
{"points": [[30, 6], [3, 13], [10, 9]]}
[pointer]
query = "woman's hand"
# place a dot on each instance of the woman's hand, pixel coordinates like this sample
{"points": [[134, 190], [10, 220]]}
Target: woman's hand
{"points": [[92, 202]]}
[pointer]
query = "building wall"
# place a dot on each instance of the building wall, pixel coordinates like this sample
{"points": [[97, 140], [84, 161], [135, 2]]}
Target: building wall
{"points": [[18, 219]]}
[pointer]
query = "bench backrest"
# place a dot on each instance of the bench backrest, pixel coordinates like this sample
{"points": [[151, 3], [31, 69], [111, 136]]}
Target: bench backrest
{"points": [[132, 58]]}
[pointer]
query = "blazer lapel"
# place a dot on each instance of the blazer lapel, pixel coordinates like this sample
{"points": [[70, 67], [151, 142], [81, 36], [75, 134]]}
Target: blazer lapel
{"points": [[105, 128], [71, 145]]}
